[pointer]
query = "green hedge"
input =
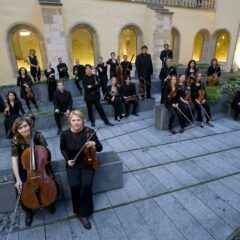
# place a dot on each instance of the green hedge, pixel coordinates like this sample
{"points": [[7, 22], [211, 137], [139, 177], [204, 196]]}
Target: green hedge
{"points": [[213, 94]]}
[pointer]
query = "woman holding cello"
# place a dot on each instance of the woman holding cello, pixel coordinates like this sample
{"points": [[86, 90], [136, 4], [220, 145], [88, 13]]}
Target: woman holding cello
{"points": [[200, 102], [76, 143], [26, 179]]}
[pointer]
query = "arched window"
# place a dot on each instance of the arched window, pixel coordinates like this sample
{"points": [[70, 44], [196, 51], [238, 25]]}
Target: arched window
{"points": [[175, 44], [82, 46], [128, 43], [22, 41], [198, 47], [222, 46]]}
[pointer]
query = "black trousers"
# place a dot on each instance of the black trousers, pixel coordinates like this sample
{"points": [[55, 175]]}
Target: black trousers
{"points": [[117, 107], [199, 111], [147, 85], [77, 82], [81, 181], [99, 108], [51, 90], [187, 111], [163, 90], [57, 117], [103, 83], [127, 105], [27, 100], [173, 114], [36, 74]]}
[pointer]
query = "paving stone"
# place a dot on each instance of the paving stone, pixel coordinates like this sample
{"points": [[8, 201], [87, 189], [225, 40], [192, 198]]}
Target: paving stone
{"points": [[159, 156], [32, 233], [171, 153], [108, 226], [158, 221], [116, 145], [130, 160], [183, 150], [184, 221], [151, 137], [118, 196], [133, 223], [61, 212], [141, 140], [206, 217], [143, 156], [58, 231], [100, 201], [228, 214], [128, 142], [232, 183], [12, 236]]}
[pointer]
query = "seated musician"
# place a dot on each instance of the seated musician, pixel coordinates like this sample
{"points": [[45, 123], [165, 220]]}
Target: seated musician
{"points": [[184, 95], [214, 73], [114, 97], [198, 94], [21, 140], [80, 174], [12, 112], [62, 101], [236, 105], [25, 82], [130, 96], [191, 69], [165, 74], [171, 103]]}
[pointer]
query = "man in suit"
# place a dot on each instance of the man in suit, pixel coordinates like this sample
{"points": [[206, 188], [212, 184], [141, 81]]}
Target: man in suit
{"points": [[166, 53]]}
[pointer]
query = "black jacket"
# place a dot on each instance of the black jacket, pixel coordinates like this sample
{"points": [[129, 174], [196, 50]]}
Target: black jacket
{"points": [[125, 65], [21, 81], [80, 71], [165, 71], [64, 72], [236, 100], [166, 54], [128, 90], [62, 101], [212, 71], [102, 75], [144, 65]]}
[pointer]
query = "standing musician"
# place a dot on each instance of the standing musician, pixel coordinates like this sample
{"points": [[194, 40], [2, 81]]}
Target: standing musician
{"points": [[102, 74], [63, 103], [165, 74], [113, 62], [21, 140], [92, 96], [80, 175], [62, 69], [34, 65], [236, 105], [214, 73], [12, 112], [126, 66], [200, 102], [78, 71], [171, 103], [166, 53], [51, 81], [25, 82], [144, 69], [129, 96], [184, 99], [114, 97], [191, 70]]}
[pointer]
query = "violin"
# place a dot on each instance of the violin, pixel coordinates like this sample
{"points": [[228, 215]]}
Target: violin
{"points": [[141, 87], [39, 189], [213, 80], [172, 94], [124, 74], [28, 91], [119, 72], [90, 159]]}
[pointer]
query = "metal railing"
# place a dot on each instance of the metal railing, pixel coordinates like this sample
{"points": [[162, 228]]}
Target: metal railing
{"points": [[205, 4]]}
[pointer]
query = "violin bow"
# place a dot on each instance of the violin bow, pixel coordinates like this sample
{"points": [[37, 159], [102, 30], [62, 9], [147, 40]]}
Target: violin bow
{"points": [[185, 116]]}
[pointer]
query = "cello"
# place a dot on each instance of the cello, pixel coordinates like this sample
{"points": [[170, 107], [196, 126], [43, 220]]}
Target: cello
{"points": [[39, 189], [119, 72]]}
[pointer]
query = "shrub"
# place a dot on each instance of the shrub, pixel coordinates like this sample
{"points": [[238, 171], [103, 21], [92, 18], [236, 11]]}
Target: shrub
{"points": [[213, 94], [231, 87]]}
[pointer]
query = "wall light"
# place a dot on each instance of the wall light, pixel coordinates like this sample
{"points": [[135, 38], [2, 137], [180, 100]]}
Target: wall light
{"points": [[24, 34]]}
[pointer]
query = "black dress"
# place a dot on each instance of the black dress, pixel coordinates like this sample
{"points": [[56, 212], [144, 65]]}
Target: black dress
{"points": [[13, 114], [113, 66], [80, 177], [191, 72], [51, 81], [127, 68], [36, 73]]}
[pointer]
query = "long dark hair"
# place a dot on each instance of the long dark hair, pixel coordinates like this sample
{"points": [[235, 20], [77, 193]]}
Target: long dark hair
{"points": [[17, 123], [20, 69], [192, 61], [214, 59], [16, 100]]}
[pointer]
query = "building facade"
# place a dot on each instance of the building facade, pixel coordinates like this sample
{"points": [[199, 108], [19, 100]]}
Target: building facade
{"points": [[86, 29]]}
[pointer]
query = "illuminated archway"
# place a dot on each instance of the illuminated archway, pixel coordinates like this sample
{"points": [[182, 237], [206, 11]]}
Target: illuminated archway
{"points": [[175, 44], [198, 47], [222, 46]]}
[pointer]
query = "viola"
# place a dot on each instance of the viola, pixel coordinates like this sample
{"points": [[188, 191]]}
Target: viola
{"points": [[90, 159]]}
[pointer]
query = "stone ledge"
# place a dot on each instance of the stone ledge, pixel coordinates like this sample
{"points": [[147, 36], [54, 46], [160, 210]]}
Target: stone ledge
{"points": [[50, 2]]}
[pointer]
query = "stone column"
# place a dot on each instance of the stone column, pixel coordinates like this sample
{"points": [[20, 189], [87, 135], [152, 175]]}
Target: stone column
{"points": [[54, 32], [161, 35]]}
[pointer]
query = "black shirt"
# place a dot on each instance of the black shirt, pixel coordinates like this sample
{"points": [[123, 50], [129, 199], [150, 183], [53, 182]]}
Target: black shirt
{"points": [[144, 65], [128, 90], [80, 71], [102, 75], [166, 54], [15, 108], [212, 70], [171, 98], [191, 71], [71, 143], [62, 101], [165, 71], [64, 72], [126, 65], [21, 81], [50, 78], [113, 66]]}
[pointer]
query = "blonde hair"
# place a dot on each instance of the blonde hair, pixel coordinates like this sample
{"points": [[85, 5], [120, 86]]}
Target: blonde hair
{"points": [[75, 113]]}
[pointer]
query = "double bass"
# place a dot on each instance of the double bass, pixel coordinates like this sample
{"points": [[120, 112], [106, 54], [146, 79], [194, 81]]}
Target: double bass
{"points": [[39, 189], [119, 72]]}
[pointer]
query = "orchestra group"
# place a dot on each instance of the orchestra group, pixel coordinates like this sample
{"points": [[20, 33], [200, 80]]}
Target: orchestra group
{"points": [[181, 94]]}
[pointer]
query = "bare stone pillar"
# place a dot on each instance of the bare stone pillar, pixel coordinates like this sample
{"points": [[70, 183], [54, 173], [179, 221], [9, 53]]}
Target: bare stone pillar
{"points": [[54, 32], [161, 35]]}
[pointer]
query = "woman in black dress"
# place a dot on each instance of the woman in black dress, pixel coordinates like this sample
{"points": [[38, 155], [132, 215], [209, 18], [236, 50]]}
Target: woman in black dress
{"points": [[21, 140], [113, 62], [51, 81], [114, 97], [214, 73], [12, 112], [34, 65], [191, 69], [25, 82], [80, 176]]}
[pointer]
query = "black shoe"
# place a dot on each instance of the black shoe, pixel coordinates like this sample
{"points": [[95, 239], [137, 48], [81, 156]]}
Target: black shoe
{"points": [[86, 225], [93, 124], [109, 124], [172, 131], [28, 219], [135, 114], [52, 208], [181, 130], [201, 125], [59, 131]]}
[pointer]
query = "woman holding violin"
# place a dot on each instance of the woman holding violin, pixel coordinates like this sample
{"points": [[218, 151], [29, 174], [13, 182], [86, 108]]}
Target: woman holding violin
{"points": [[114, 97], [214, 73], [191, 69], [113, 62], [200, 102], [171, 103], [23, 136], [75, 144]]}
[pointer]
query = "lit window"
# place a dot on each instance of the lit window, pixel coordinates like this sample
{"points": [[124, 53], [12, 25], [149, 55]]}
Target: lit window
{"points": [[198, 46], [222, 47], [82, 46]]}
